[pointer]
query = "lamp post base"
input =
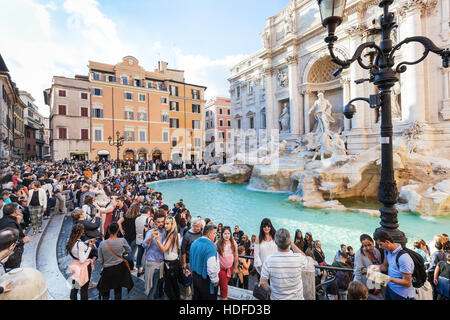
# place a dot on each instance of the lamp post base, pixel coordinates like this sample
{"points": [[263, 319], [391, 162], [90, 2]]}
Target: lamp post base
{"points": [[397, 235]]}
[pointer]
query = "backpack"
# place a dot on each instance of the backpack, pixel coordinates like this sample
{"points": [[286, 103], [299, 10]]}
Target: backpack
{"points": [[419, 276]]}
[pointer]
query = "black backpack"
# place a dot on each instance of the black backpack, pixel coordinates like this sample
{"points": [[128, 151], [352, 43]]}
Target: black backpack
{"points": [[419, 276]]}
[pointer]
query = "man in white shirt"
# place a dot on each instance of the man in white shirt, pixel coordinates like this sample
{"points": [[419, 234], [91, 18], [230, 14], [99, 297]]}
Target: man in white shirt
{"points": [[284, 270]]}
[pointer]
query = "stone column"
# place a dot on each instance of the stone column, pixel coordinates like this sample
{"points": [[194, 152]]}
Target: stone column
{"points": [[445, 110], [268, 72], [296, 114], [306, 107], [345, 81], [413, 99]]}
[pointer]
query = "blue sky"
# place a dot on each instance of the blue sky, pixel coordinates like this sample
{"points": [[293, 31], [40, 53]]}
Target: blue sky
{"points": [[203, 37]]}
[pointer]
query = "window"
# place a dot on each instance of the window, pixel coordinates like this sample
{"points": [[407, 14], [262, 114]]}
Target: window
{"points": [[174, 106], [174, 141], [84, 112], [28, 146], [195, 108], [207, 113], [84, 96], [228, 123], [129, 115], [239, 123], [62, 133], [128, 96], [97, 92], [62, 109], [173, 91], [220, 111], [165, 118], [98, 135], [62, 93], [195, 124], [221, 123], [149, 85], [263, 120], [137, 82], [111, 78], [252, 123], [129, 135], [163, 100], [197, 142], [142, 116], [174, 123], [195, 94], [142, 136], [96, 76], [207, 125], [165, 136], [211, 124], [221, 134], [228, 112], [84, 134], [97, 113], [141, 97], [124, 80], [238, 92]]}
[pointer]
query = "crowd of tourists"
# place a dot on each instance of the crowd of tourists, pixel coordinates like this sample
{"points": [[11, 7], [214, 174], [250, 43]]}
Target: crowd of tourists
{"points": [[123, 224]]}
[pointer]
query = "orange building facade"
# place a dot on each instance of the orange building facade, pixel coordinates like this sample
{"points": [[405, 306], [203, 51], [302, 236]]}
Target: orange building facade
{"points": [[159, 115]]}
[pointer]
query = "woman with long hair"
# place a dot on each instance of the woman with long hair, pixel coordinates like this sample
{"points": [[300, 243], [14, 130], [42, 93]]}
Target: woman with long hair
{"points": [[127, 226], [366, 256], [37, 203], [81, 266], [172, 263], [308, 241], [265, 244], [88, 205], [298, 240], [116, 273], [227, 249], [318, 253]]}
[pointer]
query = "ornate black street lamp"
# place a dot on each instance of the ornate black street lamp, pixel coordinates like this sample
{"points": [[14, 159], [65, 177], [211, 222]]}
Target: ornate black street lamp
{"points": [[384, 75], [118, 143]]}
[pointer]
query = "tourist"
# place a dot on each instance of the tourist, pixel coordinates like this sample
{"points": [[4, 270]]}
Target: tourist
{"points": [[219, 231], [12, 217], [191, 235], [37, 203], [432, 247], [172, 264], [119, 211], [91, 225], [399, 286], [154, 260], [5, 197], [265, 244], [127, 226], [81, 266], [366, 256], [143, 223], [445, 242], [116, 273], [357, 291], [436, 257], [342, 250], [281, 274], [309, 241], [237, 235], [247, 245], [299, 241], [337, 290], [318, 253], [252, 246], [8, 242], [442, 271], [350, 256], [205, 266], [88, 205], [419, 250], [243, 269], [425, 248], [227, 249]]}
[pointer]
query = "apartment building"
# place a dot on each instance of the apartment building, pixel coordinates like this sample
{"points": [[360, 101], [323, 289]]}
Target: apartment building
{"points": [[8, 99], [34, 128], [69, 100], [218, 131], [158, 113]]}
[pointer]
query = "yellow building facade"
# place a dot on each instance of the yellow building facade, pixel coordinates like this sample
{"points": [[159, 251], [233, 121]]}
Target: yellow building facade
{"points": [[158, 113]]}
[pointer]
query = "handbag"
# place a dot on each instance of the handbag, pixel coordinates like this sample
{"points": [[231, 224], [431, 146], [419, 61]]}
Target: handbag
{"points": [[124, 260], [260, 293]]}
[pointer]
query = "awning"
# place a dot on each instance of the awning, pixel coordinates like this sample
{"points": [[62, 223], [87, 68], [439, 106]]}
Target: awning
{"points": [[103, 153]]}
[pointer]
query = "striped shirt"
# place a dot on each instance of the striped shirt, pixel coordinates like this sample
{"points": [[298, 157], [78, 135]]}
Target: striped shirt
{"points": [[284, 270]]}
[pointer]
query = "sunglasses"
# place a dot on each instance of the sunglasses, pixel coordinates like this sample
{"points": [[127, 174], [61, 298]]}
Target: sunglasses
{"points": [[267, 226]]}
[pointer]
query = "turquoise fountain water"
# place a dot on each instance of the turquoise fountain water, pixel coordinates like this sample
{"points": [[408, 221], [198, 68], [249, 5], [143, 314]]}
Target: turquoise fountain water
{"points": [[236, 205]]}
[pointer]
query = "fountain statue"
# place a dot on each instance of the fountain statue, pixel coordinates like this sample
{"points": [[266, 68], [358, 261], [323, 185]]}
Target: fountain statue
{"points": [[396, 104], [338, 145], [285, 118]]}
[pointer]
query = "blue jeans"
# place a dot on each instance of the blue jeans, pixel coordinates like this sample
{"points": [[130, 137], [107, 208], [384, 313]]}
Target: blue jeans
{"points": [[133, 247], [155, 290], [391, 295], [140, 254]]}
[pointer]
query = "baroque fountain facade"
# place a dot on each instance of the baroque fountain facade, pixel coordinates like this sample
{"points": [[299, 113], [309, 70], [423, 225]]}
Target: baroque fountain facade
{"points": [[289, 133]]}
